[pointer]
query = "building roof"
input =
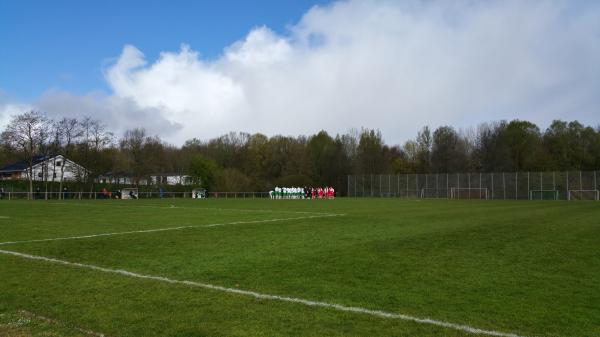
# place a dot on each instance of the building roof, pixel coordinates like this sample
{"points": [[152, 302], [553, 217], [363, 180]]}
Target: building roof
{"points": [[24, 164]]}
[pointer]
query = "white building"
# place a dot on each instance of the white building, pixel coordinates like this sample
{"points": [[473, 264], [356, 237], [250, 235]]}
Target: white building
{"points": [[45, 168], [171, 179]]}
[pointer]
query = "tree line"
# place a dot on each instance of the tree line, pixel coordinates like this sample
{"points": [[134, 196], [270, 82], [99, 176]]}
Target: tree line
{"points": [[240, 161]]}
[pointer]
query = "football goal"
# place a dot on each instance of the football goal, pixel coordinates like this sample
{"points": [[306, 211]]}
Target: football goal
{"points": [[129, 193], [543, 194], [583, 195], [468, 193]]}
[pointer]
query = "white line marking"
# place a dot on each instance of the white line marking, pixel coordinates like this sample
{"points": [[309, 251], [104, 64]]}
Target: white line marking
{"points": [[168, 229], [193, 208], [339, 307]]}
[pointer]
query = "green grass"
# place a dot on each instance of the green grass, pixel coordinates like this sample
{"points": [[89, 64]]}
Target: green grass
{"points": [[529, 268]]}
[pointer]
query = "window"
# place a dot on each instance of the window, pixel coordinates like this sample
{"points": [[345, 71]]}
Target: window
{"points": [[39, 174], [59, 163]]}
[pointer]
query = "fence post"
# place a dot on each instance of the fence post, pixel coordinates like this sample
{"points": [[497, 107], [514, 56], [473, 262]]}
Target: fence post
{"points": [[417, 185], [541, 185], [469, 183], [503, 186], [528, 188], [554, 184], [568, 194], [447, 185], [348, 185], [595, 183], [492, 176], [516, 185]]}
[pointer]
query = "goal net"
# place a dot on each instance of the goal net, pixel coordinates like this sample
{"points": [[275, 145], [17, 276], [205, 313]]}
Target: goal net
{"points": [[583, 195], [468, 193], [129, 193], [543, 194]]}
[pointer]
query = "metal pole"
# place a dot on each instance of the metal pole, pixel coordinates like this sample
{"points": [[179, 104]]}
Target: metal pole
{"points": [[447, 185], [554, 185], [480, 187], [407, 185], [568, 194], [541, 185], [503, 186], [516, 185], [528, 189], [596, 185], [437, 185], [389, 185], [417, 184], [363, 187], [348, 185], [492, 176], [458, 188], [469, 183]]}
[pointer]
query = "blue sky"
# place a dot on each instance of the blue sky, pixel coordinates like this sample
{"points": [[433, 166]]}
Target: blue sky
{"points": [[65, 44], [184, 69]]}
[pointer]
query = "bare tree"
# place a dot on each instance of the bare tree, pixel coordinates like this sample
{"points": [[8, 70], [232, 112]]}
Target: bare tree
{"points": [[68, 132], [27, 133]]}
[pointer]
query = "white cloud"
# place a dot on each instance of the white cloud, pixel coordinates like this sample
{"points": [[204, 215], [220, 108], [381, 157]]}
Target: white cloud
{"points": [[382, 64]]}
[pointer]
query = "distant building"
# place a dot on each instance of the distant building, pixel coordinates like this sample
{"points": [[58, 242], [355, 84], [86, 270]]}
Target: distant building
{"points": [[128, 178], [170, 179], [45, 168], [120, 178]]}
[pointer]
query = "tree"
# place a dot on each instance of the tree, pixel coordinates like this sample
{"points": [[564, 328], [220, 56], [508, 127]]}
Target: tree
{"points": [[204, 169], [67, 133], [423, 155], [27, 133], [370, 156], [448, 151], [522, 138]]}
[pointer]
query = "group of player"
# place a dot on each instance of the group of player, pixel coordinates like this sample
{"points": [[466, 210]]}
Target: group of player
{"points": [[302, 193]]}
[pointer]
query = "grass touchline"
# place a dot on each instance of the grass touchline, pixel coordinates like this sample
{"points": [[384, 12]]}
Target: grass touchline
{"points": [[339, 307]]}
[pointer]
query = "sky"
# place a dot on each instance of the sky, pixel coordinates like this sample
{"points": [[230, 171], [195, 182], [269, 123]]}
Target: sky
{"points": [[184, 69]]}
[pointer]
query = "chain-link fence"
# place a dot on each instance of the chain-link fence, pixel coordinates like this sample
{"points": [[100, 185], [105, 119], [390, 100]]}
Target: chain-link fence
{"points": [[576, 185], [41, 195]]}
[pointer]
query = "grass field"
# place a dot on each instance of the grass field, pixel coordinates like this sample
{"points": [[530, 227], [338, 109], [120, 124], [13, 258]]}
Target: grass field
{"points": [[347, 267]]}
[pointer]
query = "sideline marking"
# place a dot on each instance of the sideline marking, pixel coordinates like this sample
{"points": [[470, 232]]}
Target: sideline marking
{"points": [[185, 207], [169, 229], [339, 307], [4, 217]]}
